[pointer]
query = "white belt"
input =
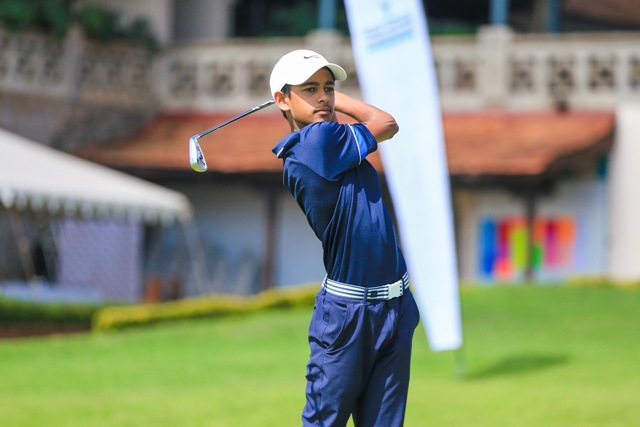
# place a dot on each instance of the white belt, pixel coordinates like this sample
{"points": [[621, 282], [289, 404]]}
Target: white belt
{"points": [[384, 292]]}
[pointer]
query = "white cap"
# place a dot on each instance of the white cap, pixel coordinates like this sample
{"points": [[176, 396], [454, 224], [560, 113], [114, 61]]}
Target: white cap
{"points": [[296, 67]]}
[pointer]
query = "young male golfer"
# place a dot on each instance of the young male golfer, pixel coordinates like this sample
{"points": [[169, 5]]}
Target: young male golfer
{"points": [[365, 316]]}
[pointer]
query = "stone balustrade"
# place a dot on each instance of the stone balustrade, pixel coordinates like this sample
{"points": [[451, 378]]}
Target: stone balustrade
{"points": [[497, 69], [75, 69]]}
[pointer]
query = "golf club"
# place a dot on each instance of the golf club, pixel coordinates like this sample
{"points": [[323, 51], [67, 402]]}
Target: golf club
{"points": [[196, 157]]}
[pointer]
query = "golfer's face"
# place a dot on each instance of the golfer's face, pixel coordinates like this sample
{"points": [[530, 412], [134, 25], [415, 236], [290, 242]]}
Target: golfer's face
{"points": [[313, 100]]}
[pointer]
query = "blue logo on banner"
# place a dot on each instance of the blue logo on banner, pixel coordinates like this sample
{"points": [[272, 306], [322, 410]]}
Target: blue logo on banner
{"points": [[389, 30]]}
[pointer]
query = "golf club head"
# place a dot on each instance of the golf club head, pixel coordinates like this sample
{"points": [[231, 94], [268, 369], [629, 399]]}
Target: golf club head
{"points": [[196, 158]]}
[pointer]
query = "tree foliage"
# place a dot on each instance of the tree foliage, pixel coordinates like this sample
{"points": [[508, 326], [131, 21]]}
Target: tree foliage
{"points": [[55, 17]]}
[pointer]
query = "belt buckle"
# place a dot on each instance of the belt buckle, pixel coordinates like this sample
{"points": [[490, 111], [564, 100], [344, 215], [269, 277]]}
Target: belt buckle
{"points": [[396, 289]]}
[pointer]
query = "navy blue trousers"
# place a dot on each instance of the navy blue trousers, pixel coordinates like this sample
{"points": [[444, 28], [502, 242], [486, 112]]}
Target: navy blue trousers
{"points": [[360, 361]]}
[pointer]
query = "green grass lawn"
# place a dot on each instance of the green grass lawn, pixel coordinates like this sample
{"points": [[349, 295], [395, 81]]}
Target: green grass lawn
{"points": [[534, 356]]}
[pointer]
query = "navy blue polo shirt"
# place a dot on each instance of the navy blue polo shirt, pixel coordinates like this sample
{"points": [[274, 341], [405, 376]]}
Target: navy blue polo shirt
{"points": [[339, 192]]}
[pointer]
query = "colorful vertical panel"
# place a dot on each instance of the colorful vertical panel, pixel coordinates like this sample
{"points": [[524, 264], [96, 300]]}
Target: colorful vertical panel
{"points": [[487, 247], [504, 247]]}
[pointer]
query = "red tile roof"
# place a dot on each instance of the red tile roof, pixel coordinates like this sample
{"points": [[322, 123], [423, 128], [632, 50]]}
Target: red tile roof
{"points": [[523, 144], [243, 146], [478, 144]]}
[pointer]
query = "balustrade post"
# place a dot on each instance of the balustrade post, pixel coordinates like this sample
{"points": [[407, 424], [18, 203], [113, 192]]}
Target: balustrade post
{"points": [[581, 69], [72, 81], [622, 69], [9, 59], [494, 46]]}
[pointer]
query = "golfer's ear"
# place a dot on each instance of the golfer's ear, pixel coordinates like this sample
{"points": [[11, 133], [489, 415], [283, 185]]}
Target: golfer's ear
{"points": [[281, 101]]}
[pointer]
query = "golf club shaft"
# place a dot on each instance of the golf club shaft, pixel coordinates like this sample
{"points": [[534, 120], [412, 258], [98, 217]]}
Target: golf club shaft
{"points": [[233, 119]]}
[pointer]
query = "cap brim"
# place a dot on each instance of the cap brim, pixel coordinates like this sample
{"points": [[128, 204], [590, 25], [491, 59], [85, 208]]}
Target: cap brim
{"points": [[338, 72]]}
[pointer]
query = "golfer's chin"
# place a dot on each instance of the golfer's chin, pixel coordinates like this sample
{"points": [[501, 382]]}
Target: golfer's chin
{"points": [[323, 116]]}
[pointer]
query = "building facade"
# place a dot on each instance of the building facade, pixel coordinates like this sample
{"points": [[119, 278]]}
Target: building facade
{"points": [[538, 127]]}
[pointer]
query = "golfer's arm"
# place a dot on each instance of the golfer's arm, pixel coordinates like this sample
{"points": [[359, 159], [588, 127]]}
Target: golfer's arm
{"points": [[382, 125]]}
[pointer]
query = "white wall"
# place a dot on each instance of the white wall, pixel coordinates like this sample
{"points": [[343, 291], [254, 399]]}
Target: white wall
{"points": [[624, 181], [586, 200], [299, 252], [231, 221], [231, 227], [582, 199]]}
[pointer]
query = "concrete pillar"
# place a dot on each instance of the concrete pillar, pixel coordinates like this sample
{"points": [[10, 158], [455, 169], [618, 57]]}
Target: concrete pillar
{"points": [[552, 16], [465, 206], [203, 19], [327, 14], [499, 12], [624, 203]]}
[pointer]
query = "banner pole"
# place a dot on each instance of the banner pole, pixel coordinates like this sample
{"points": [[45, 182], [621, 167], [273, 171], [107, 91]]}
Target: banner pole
{"points": [[460, 365]]}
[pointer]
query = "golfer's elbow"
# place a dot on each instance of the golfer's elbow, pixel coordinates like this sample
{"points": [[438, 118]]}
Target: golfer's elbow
{"points": [[388, 130]]}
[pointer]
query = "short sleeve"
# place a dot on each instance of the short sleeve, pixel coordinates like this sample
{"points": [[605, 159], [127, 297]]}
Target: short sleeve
{"points": [[330, 149]]}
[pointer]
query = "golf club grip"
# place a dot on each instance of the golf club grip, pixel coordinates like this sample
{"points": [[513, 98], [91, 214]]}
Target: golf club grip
{"points": [[233, 119]]}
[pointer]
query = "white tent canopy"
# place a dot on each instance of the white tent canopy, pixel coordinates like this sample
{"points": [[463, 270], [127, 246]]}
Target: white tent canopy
{"points": [[36, 177]]}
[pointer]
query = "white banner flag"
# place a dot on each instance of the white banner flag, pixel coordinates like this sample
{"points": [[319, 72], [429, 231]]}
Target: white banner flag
{"points": [[396, 73]]}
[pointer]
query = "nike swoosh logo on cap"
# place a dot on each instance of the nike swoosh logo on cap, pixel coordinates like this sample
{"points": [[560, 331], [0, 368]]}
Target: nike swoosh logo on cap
{"points": [[312, 56]]}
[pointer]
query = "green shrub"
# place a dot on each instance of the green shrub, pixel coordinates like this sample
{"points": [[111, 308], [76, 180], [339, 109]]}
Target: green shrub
{"points": [[18, 15], [103, 25], [602, 282], [140, 32], [99, 23], [12, 311], [119, 317], [50, 16], [55, 17]]}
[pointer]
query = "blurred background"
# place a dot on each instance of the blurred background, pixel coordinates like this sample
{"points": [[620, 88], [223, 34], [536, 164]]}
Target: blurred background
{"points": [[540, 100]]}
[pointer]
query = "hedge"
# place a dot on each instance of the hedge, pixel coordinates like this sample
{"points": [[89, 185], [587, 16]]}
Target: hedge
{"points": [[13, 311], [211, 306]]}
